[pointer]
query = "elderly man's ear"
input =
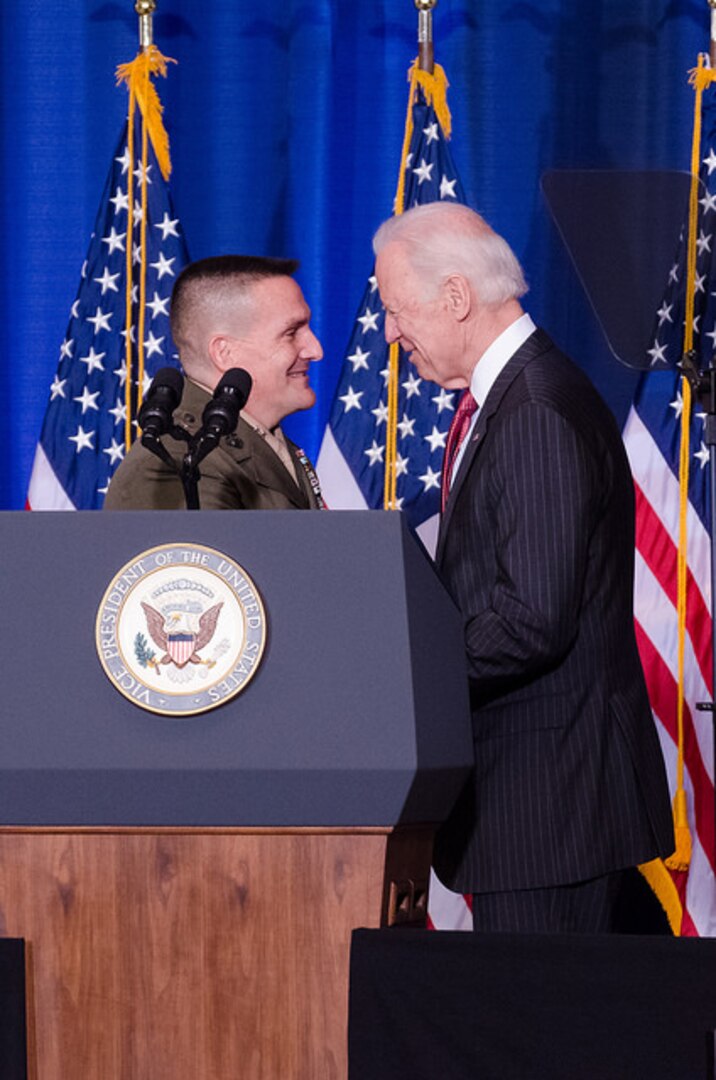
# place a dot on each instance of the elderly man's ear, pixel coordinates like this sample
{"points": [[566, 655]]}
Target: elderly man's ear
{"points": [[457, 296]]}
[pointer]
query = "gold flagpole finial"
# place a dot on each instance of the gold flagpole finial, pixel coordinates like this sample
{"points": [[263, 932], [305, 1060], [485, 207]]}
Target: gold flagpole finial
{"points": [[145, 9], [426, 57]]}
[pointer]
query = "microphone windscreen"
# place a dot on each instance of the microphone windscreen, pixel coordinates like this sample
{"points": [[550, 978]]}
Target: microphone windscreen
{"points": [[236, 380], [160, 401], [168, 378]]}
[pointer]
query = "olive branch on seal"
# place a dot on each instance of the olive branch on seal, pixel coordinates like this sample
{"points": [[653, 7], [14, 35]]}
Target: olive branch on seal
{"points": [[145, 656]]}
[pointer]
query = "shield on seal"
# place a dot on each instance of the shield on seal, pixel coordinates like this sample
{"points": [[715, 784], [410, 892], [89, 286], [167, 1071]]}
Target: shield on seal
{"points": [[180, 647]]}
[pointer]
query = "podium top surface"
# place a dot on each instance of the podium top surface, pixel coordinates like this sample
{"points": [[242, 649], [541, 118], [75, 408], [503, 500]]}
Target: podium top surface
{"points": [[357, 714]]}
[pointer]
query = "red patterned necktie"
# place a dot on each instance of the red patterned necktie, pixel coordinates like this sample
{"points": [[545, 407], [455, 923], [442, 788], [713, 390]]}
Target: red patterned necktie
{"points": [[466, 409]]}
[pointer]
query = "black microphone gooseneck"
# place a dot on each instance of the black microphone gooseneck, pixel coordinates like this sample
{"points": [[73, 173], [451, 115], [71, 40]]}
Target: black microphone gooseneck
{"points": [[155, 415]]}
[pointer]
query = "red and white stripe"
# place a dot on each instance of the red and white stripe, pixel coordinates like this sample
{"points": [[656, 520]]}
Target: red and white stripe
{"points": [[657, 530], [45, 491]]}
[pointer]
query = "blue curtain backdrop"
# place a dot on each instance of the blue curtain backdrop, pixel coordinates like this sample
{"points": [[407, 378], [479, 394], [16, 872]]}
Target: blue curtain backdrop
{"points": [[286, 122]]}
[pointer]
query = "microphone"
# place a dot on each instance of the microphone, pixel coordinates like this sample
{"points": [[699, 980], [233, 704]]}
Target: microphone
{"points": [[163, 397], [219, 418], [222, 413]]}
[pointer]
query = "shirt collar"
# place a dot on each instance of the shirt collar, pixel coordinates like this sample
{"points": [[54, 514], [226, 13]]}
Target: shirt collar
{"points": [[495, 357], [261, 428]]}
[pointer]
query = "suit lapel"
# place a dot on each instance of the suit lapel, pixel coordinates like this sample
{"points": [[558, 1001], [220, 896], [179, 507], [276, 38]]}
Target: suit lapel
{"points": [[267, 469], [538, 342]]}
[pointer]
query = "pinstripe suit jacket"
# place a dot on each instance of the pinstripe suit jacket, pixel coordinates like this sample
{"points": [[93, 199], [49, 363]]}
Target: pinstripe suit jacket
{"points": [[536, 546]]}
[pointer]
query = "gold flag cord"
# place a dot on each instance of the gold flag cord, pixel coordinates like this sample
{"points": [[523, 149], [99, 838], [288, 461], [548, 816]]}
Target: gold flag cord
{"points": [[656, 871], [142, 93], [434, 86], [701, 77], [128, 325], [143, 266]]}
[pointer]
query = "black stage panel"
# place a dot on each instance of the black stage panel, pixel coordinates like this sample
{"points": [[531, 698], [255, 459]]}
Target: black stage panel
{"points": [[13, 1039], [461, 1006]]}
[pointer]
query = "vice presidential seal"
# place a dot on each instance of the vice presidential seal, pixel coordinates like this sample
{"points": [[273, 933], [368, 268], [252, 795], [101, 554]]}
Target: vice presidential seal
{"points": [[181, 629]]}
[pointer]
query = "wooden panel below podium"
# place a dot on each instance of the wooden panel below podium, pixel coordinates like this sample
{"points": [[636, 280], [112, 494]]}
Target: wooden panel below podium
{"points": [[179, 955]]}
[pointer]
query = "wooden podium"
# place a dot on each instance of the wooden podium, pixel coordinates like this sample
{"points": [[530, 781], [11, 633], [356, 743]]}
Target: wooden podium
{"points": [[187, 888]]}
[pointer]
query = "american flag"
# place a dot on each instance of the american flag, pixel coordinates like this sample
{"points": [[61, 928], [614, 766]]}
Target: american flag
{"points": [[652, 438], [351, 462], [84, 431]]}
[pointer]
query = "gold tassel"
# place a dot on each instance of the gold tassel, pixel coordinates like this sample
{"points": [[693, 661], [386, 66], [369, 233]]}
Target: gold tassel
{"points": [[681, 859], [136, 74], [662, 885], [703, 75], [435, 86]]}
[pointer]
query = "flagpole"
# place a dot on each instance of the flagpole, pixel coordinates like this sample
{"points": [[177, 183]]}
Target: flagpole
{"points": [[426, 55], [425, 62], [145, 10], [710, 440], [703, 386]]}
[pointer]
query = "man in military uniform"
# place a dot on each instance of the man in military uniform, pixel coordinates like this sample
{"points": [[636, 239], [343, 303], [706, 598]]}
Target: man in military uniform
{"points": [[234, 311]]}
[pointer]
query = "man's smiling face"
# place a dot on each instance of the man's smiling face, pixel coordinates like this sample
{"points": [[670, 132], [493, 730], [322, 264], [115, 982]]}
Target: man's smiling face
{"points": [[421, 324], [277, 349]]}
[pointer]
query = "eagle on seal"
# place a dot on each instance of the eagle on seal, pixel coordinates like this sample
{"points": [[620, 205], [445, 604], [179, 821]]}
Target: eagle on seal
{"points": [[181, 648]]}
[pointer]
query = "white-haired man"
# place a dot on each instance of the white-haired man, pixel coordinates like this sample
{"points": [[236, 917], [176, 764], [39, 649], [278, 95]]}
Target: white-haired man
{"points": [[536, 546], [233, 311]]}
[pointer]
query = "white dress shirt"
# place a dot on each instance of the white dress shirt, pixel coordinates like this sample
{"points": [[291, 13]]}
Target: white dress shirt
{"points": [[488, 367]]}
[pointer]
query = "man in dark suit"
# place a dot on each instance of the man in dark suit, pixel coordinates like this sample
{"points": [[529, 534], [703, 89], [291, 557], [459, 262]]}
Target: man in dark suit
{"points": [[226, 312], [536, 546]]}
